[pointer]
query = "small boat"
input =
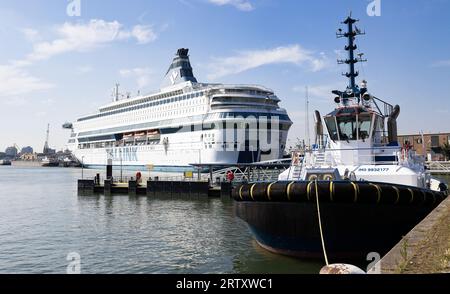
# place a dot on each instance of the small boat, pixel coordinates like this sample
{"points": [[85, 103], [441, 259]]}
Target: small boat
{"points": [[5, 162], [355, 192], [49, 162]]}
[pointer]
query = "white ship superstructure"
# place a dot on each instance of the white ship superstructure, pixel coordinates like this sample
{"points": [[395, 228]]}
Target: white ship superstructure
{"points": [[356, 145], [185, 123]]}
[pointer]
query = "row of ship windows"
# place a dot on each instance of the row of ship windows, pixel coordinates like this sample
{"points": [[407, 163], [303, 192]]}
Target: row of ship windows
{"points": [[147, 99], [179, 92], [207, 137], [115, 144], [187, 119], [151, 104], [140, 116], [245, 100], [251, 92], [209, 145]]}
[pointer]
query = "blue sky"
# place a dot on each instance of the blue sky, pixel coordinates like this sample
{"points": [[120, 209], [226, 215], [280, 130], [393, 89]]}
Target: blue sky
{"points": [[55, 67]]}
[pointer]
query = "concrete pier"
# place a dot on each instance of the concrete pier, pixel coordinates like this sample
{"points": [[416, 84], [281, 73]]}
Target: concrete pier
{"points": [[86, 186], [425, 249], [155, 188], [107, 187]]}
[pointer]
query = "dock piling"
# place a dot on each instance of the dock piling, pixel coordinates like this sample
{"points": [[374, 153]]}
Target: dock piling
{"points": [[108, 186], [132, 188], [109, 169]]}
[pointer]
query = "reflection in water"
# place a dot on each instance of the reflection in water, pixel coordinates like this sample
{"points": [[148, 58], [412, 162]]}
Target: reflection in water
{"points": [[42, 219], [260, 261]]}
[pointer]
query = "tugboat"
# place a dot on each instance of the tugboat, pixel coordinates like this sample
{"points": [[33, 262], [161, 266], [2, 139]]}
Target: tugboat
{"points": [[356, 191]]}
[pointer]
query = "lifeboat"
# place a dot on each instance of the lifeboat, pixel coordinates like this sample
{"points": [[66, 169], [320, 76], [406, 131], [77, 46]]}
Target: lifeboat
{"points": [[127, 137], [153, 135]]}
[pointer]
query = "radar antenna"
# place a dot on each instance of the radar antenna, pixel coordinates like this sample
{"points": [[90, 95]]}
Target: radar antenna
{"points": [[350, 34]]}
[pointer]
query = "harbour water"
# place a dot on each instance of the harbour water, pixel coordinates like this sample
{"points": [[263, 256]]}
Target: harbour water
{"points": [[43, 220]]}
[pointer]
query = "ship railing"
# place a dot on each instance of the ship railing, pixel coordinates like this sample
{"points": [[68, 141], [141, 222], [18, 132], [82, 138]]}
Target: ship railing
{"points": [[393, 155], [442, 167], [249, 173], [117, 180], [385, 109]]}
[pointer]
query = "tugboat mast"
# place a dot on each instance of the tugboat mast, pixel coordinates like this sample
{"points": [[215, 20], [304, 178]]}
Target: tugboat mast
{"points": [[351, 33]]}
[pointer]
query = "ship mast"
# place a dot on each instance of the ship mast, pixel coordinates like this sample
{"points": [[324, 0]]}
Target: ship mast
{"points": [[351, 33]]}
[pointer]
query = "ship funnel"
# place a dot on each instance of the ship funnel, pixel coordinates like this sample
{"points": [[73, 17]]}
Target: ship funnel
{"points": [[392, 124], [318, 128], [180, 70]]}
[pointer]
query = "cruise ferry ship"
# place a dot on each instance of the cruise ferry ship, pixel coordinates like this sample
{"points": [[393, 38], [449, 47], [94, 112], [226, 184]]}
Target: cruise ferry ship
{"points": [[185, 123]]}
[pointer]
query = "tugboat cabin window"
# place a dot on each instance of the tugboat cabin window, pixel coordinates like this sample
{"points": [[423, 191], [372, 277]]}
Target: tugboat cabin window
{"points": [[331, 126], [349, 127], [364, 121]]}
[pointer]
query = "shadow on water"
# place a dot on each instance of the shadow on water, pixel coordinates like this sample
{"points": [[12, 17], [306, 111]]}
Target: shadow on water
{"points": [[260, 261]]}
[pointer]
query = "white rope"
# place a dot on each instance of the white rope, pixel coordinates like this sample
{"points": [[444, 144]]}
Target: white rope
{"points": [[320, 225]]}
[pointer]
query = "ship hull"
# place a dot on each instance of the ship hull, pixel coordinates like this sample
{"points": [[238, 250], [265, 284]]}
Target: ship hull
{"points": [[142, 157], [357, 217], [350, 230], [180, 153]]}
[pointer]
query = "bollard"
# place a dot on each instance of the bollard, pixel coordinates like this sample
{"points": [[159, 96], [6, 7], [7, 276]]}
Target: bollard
{"points": [[225, 189], [150, 188], [132, 188], [341, 269], [108, 187], [109, 169]]}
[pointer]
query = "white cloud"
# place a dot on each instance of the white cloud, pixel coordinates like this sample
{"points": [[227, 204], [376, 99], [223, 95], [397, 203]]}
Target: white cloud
{"points": [[31, 35], [82, 37], [71, 37], [16, 82], [141, 74], [243, 5], [246, 60], [442, 63], [143, 34]]}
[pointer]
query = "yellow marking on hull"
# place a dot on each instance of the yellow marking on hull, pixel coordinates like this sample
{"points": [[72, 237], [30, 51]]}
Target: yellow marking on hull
{"points": [[356, 189], [268, 190], [378, 191], [412, 195], [331, 190], [251, 191], [240, 192], [398, 194], [288, 190], [308, 190]]}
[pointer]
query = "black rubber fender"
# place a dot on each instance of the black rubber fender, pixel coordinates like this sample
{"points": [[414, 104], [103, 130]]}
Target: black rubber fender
{"points": [[337, 191]]}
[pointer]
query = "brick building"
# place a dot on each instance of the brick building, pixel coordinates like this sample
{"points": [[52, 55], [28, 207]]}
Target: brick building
{"points": [[432, 144]]}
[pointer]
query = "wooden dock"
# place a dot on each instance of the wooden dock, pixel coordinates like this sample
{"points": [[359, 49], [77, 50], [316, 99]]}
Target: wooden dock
{"points": [[155, 188]]}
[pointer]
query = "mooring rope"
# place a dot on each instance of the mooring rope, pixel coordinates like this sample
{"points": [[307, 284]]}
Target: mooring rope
{"points": [[320, 224]]}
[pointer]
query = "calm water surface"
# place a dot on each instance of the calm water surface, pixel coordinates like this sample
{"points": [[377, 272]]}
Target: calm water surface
{"points": [[42, 220]]}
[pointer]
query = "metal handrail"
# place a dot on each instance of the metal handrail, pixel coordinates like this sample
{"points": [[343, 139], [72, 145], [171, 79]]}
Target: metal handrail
{"points": [[331, 157]]}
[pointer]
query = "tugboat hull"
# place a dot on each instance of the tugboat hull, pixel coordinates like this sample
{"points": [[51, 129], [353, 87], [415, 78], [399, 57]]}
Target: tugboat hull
{"points": [[287, 223]]}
